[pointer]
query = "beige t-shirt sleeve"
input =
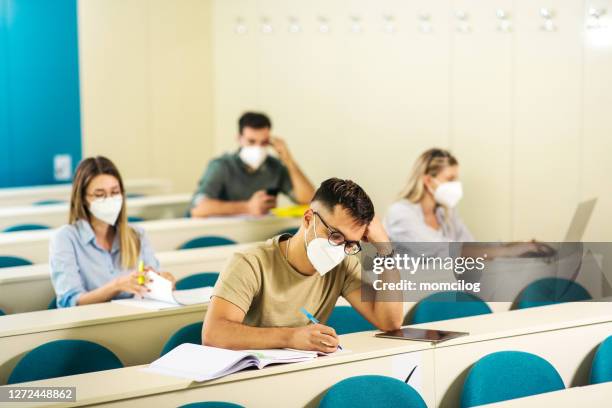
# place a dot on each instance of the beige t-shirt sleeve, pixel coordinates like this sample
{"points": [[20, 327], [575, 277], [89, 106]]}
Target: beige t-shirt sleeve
{"points": [[239, 282], [352, 278]]}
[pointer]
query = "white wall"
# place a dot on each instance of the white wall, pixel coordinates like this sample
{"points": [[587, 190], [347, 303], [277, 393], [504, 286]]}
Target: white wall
{"points": [[146, 86], [528, 112]]}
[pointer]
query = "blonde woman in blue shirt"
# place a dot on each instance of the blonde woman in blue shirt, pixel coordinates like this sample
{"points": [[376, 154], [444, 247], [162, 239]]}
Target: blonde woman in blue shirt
{"points": [[95, 257], [427, 211]]}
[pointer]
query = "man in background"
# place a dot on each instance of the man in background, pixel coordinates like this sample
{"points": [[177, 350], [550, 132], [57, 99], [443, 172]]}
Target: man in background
{"points": [[248, 180]]}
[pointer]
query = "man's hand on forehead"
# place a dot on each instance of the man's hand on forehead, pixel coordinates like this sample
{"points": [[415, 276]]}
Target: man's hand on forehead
{"points": [[340, 220], [376, 232]]}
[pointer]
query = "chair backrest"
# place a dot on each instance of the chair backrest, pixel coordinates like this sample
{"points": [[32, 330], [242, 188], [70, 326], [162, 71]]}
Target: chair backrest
{"points": [[199, 280], [292, 231], [345, 319], [211, 404], [2, 312], [60, 358], [507, 375], [133, 218], [48, 202], [52, 304], [448, 305], [371, 390], [192, 333], [207, 241], [25, 227], [549, 291], [601, 370], [11, 261]]}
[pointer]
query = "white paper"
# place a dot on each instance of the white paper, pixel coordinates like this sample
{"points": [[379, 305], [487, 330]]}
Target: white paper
{"points": [[145, 303], [162, 296], [196, 363], [160, 288], [193, 296]]}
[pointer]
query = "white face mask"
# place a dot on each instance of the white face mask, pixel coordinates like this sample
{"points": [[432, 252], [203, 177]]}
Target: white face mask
{"points": [[253, 156], [107, 209], [321, 254], [449, 193]]}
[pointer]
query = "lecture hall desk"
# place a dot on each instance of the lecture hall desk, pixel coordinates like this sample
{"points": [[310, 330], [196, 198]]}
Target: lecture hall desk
{"points": [[28, 288], [165, 235], [565, 334]]}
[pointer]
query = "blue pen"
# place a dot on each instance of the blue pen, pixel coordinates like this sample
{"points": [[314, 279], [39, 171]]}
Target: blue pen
{"points": [[309, 315], [313, 320]]}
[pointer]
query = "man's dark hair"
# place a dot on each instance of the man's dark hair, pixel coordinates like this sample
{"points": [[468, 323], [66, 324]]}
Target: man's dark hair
{"points": [[349, 195], [253, 120]]}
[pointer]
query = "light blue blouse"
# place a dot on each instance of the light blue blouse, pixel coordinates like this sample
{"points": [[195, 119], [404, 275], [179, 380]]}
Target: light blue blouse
{"points": [[405, 223], [78, 264]]}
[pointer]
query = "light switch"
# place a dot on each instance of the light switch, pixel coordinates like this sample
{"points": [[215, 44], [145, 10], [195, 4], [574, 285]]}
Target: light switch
{"points": [[62, 167]]}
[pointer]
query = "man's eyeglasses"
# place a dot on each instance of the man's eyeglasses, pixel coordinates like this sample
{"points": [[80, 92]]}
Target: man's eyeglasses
{"points": [[336, 238]]}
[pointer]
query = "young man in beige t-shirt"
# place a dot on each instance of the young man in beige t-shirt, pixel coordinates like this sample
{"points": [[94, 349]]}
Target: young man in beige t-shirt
{"points": [[257, 299]]}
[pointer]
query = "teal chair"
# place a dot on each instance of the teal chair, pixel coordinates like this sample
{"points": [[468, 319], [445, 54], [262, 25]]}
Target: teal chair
{"points": [[132, 218], [345, 319], [211, 404], [506, 375], [601, 370], [448, 305], [134, 195], [60, 358], [291, 231], [199, 280], [2, 312], [26, 227], [365, 391], [549, 291], [208, 241], [192, 333], [48, 202], [12, 261], [52, 304]]}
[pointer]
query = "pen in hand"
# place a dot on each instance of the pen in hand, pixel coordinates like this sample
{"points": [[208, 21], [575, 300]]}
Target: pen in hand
{"points": [[141, 276], [313, 320]]}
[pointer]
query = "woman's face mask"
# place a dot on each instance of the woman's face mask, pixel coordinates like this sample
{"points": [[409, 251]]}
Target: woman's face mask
{"points": [[321, 254], [448, 193], [107, 209]]}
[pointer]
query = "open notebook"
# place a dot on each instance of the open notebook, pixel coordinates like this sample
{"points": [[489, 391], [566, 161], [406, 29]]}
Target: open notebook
{"points": [[162, 296], [202, 363]]}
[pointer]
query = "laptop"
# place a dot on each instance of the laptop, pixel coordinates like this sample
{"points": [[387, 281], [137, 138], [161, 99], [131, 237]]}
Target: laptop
{"points": [[580, 221]]}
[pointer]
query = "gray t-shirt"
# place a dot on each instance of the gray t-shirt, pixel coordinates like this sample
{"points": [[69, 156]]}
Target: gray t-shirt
{"points": [[405, 222], [228, 178]]}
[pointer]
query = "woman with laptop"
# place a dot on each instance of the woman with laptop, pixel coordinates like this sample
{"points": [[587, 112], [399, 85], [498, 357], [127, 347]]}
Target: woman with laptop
{"points": [[98, 256], [427, 210]]}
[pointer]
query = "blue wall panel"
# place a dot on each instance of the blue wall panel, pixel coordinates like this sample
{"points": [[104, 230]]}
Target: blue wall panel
{"points": [[43, 87], [5, 179]]}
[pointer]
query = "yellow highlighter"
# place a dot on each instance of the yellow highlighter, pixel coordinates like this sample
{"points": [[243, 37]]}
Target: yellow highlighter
{"points": [[141, 277]]}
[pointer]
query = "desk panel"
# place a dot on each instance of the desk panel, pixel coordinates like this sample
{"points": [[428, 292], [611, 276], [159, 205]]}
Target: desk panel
{"points": [[135, 335]]}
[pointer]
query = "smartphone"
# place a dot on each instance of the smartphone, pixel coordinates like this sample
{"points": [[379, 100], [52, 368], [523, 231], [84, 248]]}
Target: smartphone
{"points": [[272, 191]]}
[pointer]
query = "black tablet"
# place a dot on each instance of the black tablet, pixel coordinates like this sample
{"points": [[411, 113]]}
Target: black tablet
{"points": [[409, 333]]}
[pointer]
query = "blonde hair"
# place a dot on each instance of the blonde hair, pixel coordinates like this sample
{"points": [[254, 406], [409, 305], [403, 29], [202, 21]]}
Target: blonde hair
{"points": [[129, 241], [430, 163]]}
